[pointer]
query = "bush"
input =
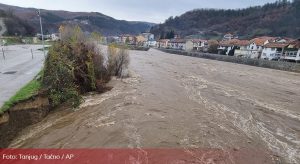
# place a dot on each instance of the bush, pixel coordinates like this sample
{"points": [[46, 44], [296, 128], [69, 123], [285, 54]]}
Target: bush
{"points": [[72, 67], [213, 48], [59, 75], [118, 60]]}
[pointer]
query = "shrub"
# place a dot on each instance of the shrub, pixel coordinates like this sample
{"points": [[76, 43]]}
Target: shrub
{"points": [[72, 67], [72, 34], [213, 48], [118, 60], [59, 75]]}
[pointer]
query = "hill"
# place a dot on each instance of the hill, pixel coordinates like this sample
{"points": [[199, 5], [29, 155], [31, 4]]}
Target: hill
{"points": [[24, 21], [281, 18]]}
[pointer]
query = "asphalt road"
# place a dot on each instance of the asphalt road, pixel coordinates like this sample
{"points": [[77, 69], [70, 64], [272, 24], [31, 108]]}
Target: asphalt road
{"points": [[18, 68]]}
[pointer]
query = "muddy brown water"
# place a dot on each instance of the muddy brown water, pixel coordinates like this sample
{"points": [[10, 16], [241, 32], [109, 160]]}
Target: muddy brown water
{"points": [[172, 101]]}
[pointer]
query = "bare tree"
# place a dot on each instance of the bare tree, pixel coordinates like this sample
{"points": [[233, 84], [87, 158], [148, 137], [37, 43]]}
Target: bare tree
{"points": [[118, 60]]}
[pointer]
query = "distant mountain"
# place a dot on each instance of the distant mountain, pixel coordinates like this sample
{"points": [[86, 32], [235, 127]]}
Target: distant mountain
{"points": [[24, 21], [281, 18]]}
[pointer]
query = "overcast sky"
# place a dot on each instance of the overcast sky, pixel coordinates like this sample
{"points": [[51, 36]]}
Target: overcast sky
{"points": [[135, 10]]}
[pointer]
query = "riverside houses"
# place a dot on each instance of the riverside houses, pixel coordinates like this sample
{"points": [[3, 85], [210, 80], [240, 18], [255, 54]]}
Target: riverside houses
{"points": [[256, 46], [226, 47], [197, 45], [162, 43], [177, 44], [292, 52], [241, 48], [273, 51]]}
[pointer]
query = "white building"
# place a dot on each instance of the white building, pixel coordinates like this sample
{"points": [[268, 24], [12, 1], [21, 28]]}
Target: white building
{"points": [[150, 43], [197, 45], [226, 46], [273, 51], [162, 43], [292, 51], [149, 40], [256, 46], [241, 48], [148, 36], [178, 44], [55, 36], [234, 47]]}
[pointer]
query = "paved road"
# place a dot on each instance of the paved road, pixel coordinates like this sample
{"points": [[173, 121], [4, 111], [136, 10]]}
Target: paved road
{"points": [[18, 68], [173, 101]]}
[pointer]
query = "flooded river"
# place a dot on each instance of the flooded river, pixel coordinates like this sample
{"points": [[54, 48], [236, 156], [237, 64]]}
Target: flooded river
{"points": [[172, 101]]}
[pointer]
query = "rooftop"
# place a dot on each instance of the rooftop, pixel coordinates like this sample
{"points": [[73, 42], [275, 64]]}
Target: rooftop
{"points": [[260, 41], [276, 45]]}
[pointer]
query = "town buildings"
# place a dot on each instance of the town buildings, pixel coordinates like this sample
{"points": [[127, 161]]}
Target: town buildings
{"points": [[264, 47], [177, 44], [241, 48], [292, 51], [197, 45], [162, 43], [273, 50]]}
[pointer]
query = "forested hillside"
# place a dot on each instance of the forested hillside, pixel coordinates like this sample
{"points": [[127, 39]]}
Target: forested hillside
{"points": [[15, 25], [24, 21], [281, 18]]}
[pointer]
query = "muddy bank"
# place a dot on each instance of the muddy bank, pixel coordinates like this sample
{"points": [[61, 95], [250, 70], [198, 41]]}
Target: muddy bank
{"points": [[20, 116]]}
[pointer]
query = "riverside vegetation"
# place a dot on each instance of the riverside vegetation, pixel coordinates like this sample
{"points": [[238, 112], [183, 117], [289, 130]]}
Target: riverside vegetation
{"points": [[74, 66]]}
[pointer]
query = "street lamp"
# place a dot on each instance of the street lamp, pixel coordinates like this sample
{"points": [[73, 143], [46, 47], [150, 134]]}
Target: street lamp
{"points": [[39, 14]]}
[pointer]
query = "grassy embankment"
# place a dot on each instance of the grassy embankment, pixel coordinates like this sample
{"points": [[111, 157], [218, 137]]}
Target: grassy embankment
{"points": [[24, 93]]}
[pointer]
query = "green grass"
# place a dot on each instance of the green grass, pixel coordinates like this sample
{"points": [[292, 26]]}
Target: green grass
{"points": [[24, 93], [13, 40]]}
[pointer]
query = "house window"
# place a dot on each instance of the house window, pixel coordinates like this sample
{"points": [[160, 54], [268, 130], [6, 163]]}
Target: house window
{"points": [[273, 49]]}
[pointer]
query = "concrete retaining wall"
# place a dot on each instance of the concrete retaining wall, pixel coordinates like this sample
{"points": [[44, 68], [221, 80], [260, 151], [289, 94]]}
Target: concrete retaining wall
{"points": [[279, 65]]}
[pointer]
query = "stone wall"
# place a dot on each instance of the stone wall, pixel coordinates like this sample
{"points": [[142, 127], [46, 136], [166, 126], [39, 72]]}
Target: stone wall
{"points": [[279, 65]]}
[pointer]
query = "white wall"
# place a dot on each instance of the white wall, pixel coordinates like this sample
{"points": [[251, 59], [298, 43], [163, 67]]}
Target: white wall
{"points": [[266, 53]]}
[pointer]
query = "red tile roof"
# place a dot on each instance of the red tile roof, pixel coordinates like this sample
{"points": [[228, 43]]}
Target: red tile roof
{"points": [[242, 43], [260, 41], [295, 44], [276, 45]]}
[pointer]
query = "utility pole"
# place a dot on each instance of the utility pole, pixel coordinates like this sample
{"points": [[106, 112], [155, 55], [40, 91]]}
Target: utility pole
{"points": [[39, 14], [3, 54], [31, 54]]}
